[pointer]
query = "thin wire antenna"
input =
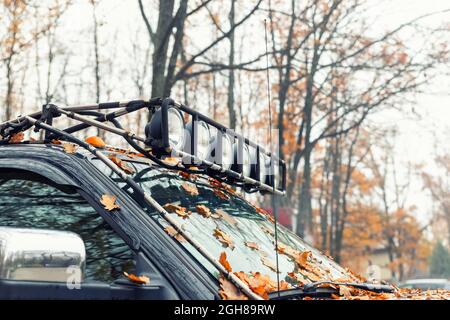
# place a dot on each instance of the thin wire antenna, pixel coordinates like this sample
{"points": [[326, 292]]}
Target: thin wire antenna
{"points": [[274, 202]]}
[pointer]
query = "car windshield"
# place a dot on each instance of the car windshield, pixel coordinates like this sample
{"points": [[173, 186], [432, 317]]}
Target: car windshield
{"points": [[221, 220]]}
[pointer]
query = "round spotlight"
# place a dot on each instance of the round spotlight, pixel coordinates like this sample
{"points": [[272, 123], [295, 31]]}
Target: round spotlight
{"points": [[175, 128], [162, 135], [242, 159], [227, 152], [264, 162], [203, 140]]}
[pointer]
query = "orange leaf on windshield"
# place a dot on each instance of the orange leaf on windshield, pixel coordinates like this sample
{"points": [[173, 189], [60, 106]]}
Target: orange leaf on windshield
{"points": [[181, 211], [224, 262], [223, 238], [96, 142], [121, 164], [109, 202], [190, 188], [302, 259], [187, 175], [222, 195], [172, 161], [228, 291], [203, 210], [137, 279]]}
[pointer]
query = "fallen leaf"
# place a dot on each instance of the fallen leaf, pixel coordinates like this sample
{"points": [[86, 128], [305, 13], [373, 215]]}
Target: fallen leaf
{"points": [[228, 291], [224, 262], [181, 211], [203, 210], [121, 164], [223, 238], [174, 234], [187, 175], [70, 148], [214, 183], [55, 141], [190, 188], [345, 291], [302, 259], [17, 138], [258, 283], [109, 202], [252, 245], [268, 263], [172, 161], [96, 142], [222, 195], [137, 279]]}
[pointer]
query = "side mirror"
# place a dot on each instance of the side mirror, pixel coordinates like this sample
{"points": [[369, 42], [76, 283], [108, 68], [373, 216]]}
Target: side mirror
{"points": [[41, 255]]}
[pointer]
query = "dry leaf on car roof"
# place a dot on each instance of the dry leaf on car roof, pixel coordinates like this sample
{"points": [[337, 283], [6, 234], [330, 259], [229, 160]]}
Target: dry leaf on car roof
{"points": [[174, 234], [228, 291], [224, 262], [203, 210], [252, 245], [109, 202], [121, 164], [17, 138], [190, 188], [223, 238], [137, 279], [226, 217], [96, 142], [70, 148], [56, 141], [173, 208]]}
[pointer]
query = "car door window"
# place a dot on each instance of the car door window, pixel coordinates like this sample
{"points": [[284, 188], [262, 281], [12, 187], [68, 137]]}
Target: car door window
{"points": [[28, 201]]}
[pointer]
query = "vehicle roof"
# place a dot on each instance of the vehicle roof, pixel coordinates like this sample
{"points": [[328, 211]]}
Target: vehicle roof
{"points": [[81, 151]]}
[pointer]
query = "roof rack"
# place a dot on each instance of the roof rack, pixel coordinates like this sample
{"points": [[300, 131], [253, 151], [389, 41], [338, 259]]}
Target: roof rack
{"points": [[246, 165], [158, 138]]}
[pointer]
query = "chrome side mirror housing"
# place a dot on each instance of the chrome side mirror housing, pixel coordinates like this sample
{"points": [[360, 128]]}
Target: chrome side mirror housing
{"points": [[41, 255]]}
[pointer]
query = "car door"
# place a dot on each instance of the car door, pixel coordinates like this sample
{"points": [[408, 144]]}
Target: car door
{"points": [[29, 201]]}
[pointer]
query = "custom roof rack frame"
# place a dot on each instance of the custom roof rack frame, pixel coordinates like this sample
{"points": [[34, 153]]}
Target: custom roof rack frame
{"points": [[268, 179]]}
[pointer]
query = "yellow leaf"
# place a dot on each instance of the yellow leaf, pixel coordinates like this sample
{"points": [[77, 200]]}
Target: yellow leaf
{"points": [[109, 202]]}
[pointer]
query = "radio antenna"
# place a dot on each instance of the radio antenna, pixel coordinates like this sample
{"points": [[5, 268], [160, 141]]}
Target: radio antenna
{"points": [[273, 199]]}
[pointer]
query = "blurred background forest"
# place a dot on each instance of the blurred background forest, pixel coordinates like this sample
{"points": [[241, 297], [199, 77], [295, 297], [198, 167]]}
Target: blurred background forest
{"points": [[344, 81]]}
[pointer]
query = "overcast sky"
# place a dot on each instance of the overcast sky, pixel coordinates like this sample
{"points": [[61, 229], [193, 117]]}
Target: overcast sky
{"points": [[419, 137]]}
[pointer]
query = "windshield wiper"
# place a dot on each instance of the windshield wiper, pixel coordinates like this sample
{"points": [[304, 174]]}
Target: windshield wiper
{"points": [[315, 290]]}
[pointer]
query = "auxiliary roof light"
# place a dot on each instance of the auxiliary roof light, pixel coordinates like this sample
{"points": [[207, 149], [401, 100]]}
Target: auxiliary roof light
{"points": [[204, 142], [223, 150], [165, 131]]}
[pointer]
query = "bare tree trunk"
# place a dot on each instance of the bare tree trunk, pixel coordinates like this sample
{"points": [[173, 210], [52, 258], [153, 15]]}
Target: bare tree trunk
{"points": [[161, 45], [230, 100]]}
